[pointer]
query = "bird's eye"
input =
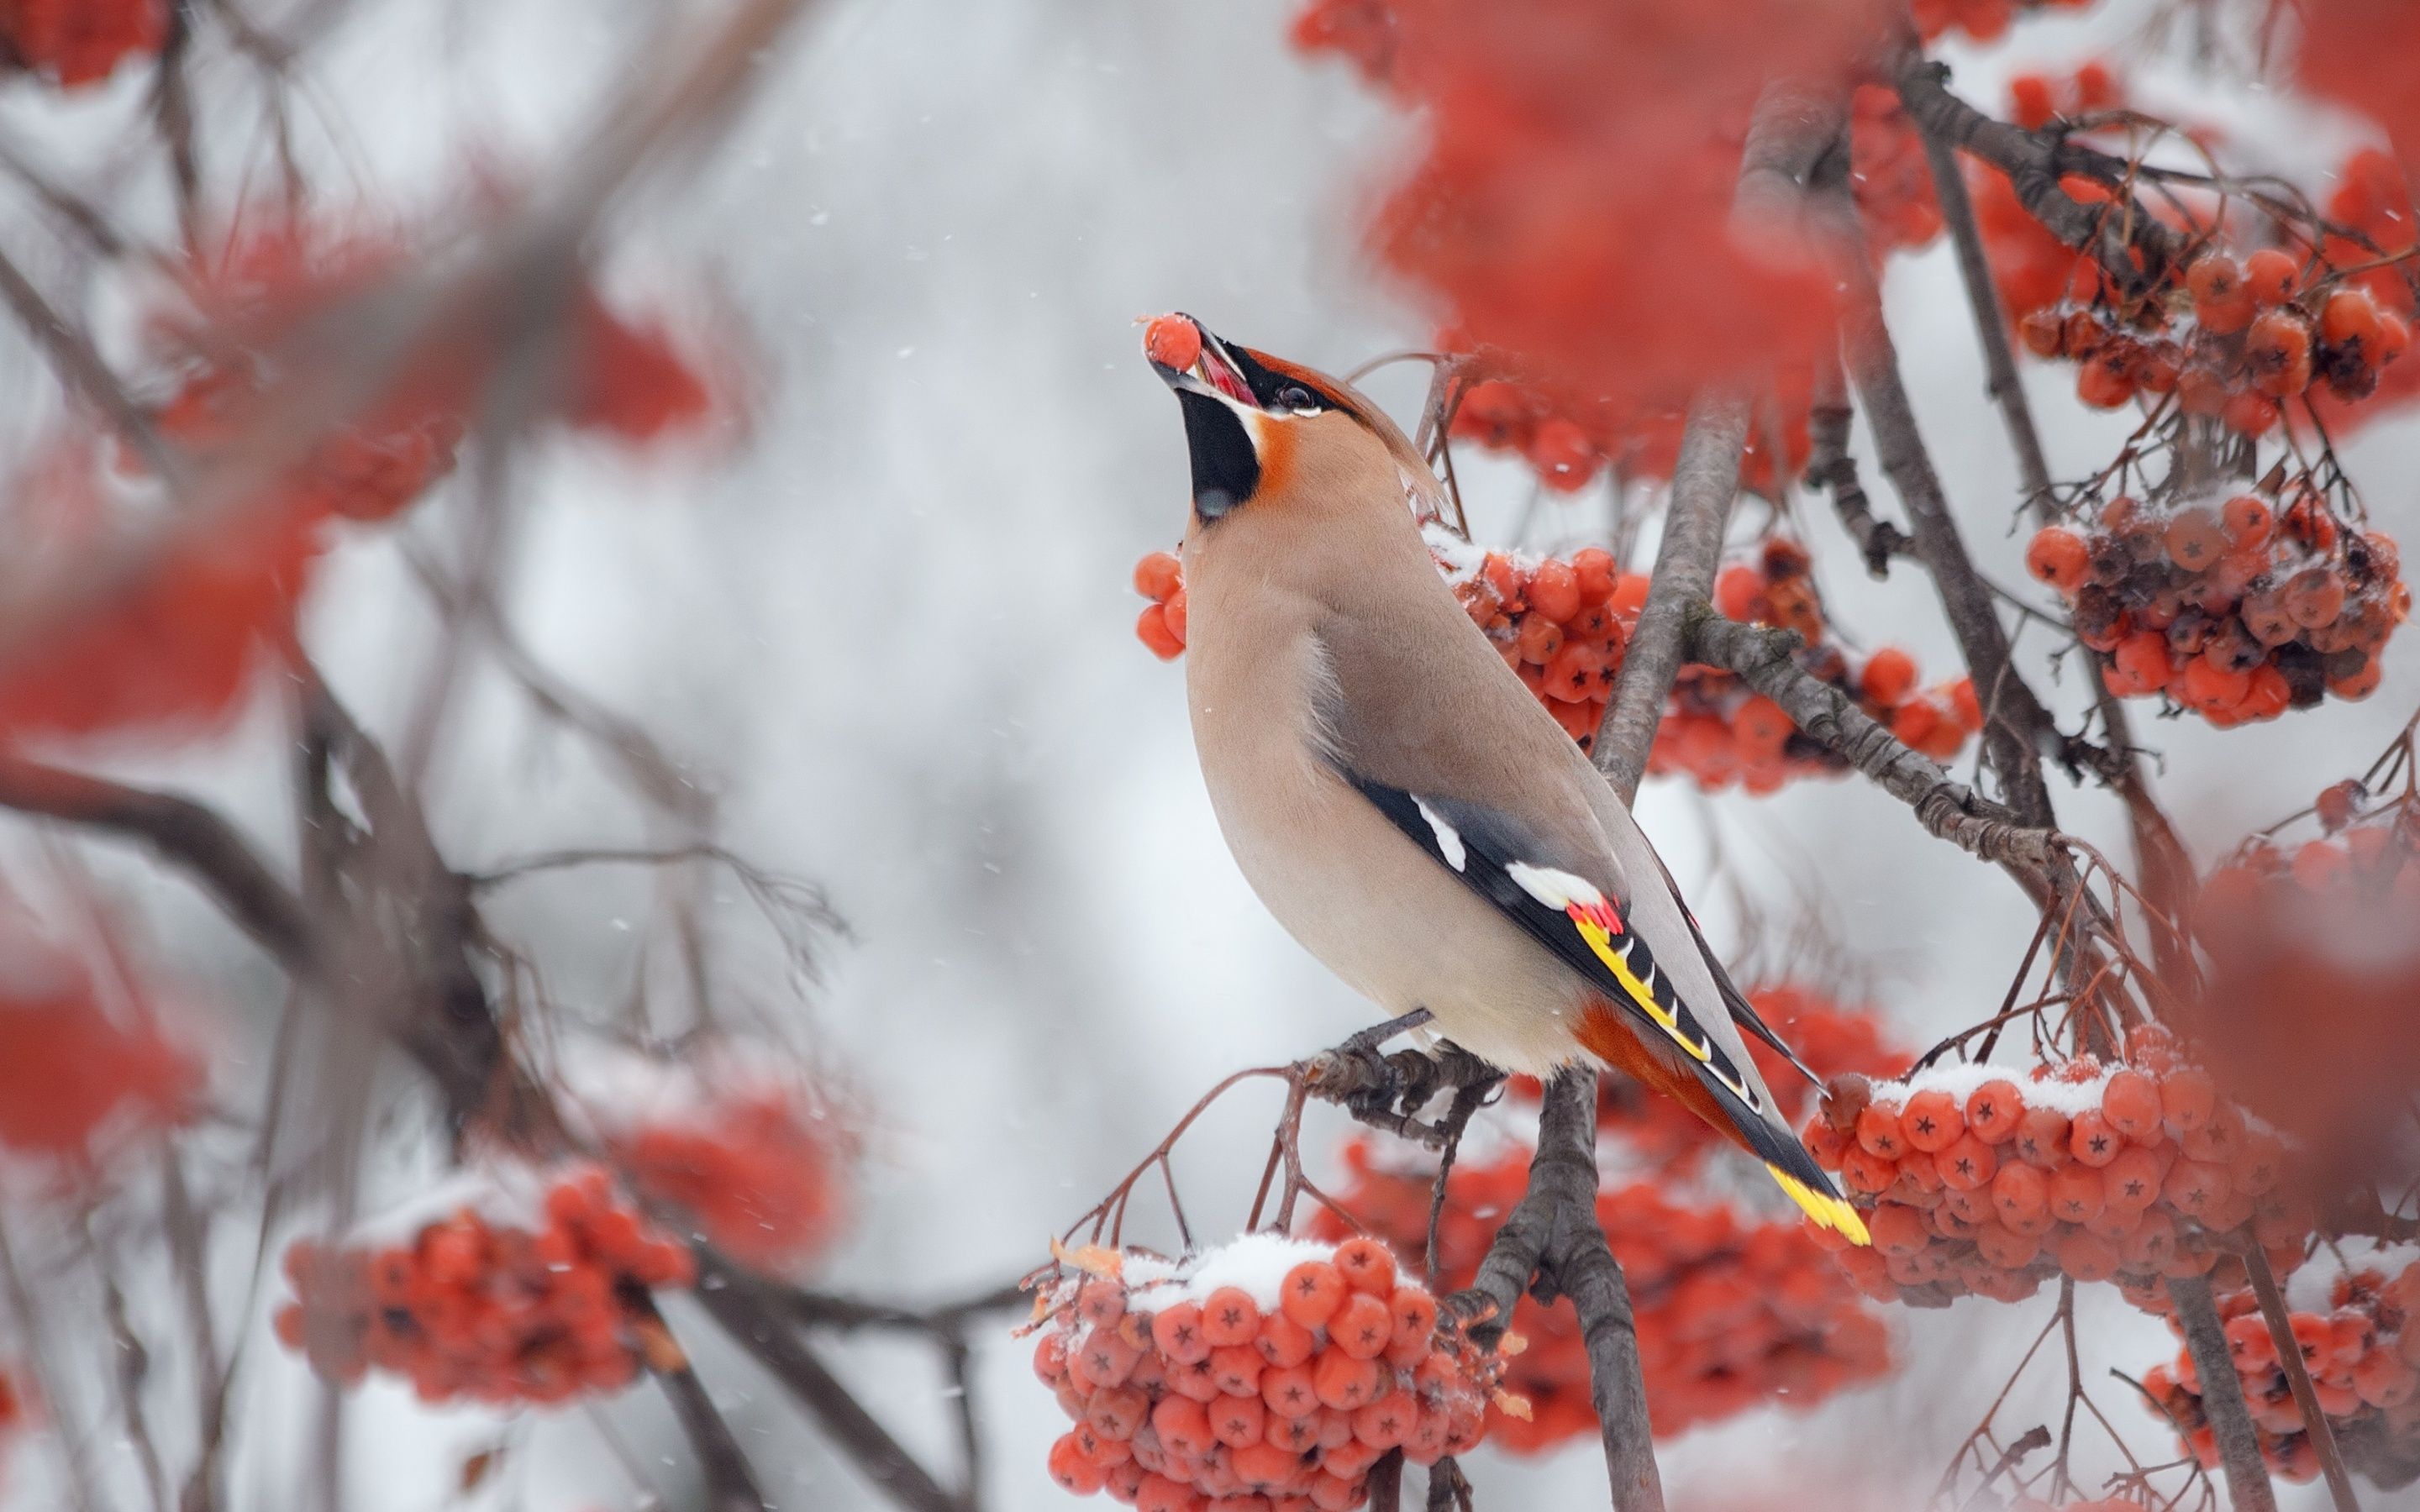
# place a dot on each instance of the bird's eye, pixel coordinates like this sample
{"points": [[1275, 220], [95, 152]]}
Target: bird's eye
{"points": [[1296, 399]]}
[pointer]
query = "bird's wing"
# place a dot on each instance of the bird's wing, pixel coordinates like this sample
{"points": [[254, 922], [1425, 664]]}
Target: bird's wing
{"points": [[1743, 1012], [1590, 931]]}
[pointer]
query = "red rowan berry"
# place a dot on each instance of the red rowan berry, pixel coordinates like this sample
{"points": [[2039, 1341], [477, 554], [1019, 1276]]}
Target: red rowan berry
{"points": [[2277, 353], [1289, 1392], [1880, 1132], [2057, 557], [1367, 1266], [2249, 413], [1994, 1110], [1151, 627], [2227, 306], [1931, 1120], [1889, 675], [1343, 1381], [2042, 1138], [1968, 1164], [1555, 591], [2270, 276], [1363, 1327], [1738, 592], [1230, 1317], [1172, 341], [2105, 381], [1282, 1341], [2091, 1139], [1075, 1474], [1177, 1330], [1159, 575]]}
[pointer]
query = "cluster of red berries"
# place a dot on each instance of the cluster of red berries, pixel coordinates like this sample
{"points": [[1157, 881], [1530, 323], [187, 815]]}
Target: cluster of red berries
{"points": [[1731, 1314], [483, 1308], [1160, 578], [81, 1079], [2238, 610], [1888, 172], [1718, 730], [2362, 1354], [1561, 624], [77, 42], [1830, 1038], [2357, 855], [1983, 1183], [1985, 20], [2256, 334], [1568, 439], [1267, 1375], [758, 1172]]}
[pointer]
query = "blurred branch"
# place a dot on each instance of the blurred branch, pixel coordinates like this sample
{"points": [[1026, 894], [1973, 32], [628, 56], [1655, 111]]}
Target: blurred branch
{"points": [[86, 375], [730, 1485], [817, 1310], [749, 1312], [188, 835]]}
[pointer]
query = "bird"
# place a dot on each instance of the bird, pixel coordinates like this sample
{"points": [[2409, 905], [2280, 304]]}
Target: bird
{"points": [[1395, 796]]}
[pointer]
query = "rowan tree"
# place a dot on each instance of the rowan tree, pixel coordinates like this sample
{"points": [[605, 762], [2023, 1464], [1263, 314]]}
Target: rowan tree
{"points": [[1640, 254]]}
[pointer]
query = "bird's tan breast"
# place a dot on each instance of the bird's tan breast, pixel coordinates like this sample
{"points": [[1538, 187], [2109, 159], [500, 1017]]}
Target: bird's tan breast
{"points": [[1355, 891]]}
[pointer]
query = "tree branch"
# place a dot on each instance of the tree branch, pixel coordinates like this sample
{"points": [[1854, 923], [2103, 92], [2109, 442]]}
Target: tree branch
{"points": [[1830, 467], [2221, 1395], [1946, 808], [187, 834], [1553, 1235], [2035, 163], [2166, 866], [2297, 1376], [1704, 482]]}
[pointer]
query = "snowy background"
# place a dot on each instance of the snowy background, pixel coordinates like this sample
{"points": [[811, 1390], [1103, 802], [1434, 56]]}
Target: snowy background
{"points": [[893, 634]]}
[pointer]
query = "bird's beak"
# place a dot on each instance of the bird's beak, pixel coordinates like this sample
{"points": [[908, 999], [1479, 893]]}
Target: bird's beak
{"points": [[1214, 373]]}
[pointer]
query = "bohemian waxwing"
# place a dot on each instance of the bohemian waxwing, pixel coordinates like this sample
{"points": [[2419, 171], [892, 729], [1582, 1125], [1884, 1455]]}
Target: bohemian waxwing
{"points": [[1396, 797]]}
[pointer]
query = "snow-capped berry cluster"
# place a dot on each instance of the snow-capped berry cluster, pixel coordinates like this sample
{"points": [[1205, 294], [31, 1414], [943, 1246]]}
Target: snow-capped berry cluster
{"points": [[2255, 335], [1719, 731], [1887, 170], [503, 1300], [2358, 1345], [1984, 21], [1831, 1037], [1731, 1313], [1985, 1182], [749, 1152], [77, 42], [1268, 1374], [2237, 609]]}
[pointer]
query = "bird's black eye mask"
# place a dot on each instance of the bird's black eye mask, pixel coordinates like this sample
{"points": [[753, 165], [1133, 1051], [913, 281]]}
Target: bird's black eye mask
{"points": [[1226, 466], [1272, 390]]}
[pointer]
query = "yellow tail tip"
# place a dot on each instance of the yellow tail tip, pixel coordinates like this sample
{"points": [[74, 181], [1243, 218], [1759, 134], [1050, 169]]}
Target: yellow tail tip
{"points": [[1827, 1211]]}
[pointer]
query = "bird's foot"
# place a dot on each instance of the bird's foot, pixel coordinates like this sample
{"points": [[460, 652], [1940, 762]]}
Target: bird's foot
{"points": [[1389, 1091]]}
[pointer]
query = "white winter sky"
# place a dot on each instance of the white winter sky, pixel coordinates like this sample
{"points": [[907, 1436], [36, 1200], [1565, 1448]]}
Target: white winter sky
{"points": [[893, 631]]}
